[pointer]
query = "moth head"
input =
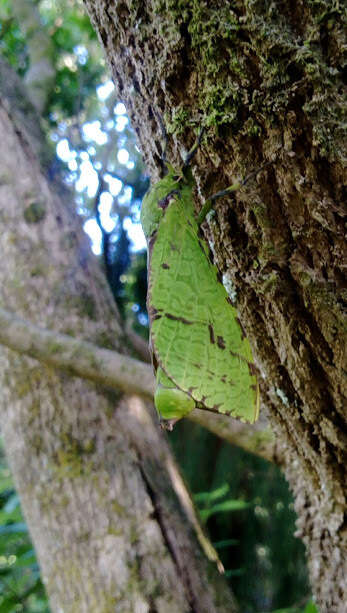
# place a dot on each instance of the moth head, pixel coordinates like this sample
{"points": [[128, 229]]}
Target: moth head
{"points": [[172, 403], [157, 198]]}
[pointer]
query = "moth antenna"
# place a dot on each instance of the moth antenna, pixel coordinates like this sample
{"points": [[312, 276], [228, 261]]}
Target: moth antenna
{"points": [[255, 172], [193, 150], [165, 141]]}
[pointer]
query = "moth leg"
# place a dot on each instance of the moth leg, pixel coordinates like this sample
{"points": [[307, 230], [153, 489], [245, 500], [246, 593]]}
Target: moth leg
{"points": [[168, 424], [165, 140], [208, 205]]}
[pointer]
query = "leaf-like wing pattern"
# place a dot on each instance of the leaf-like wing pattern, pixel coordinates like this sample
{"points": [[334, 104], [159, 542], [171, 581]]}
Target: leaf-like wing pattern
{"points": [[195, 334]]}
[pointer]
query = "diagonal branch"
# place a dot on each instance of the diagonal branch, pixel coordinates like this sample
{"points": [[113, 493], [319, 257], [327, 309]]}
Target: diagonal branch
{"points": [[77, 356], [84, 359]]}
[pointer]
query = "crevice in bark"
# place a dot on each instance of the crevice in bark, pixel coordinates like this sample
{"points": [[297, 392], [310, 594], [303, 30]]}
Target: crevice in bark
{"points": [[157, 515]]}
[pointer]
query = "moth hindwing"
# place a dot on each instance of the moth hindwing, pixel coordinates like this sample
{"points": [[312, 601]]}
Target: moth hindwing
{"points": [[202, 354]]}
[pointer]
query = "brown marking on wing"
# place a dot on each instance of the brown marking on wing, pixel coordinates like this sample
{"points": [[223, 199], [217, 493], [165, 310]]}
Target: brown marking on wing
{"points": [[191, 390], [252, 368], [216, 407], [173, 247], [220, 342], [154, 313], [154, 360], [164, 203], [211, 331], [165, 266], [229, 300], [237, 355], [151, 242], [202, 247], [181, 319], [243, 335]]}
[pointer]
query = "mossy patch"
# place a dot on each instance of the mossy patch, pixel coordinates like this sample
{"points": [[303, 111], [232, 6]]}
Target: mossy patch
{"points": [[85, 305], [74, 458], [35, 212], [255, 61]]}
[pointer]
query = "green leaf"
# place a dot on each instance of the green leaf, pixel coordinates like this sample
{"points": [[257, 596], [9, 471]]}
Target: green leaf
{"points": [[237, 572], [310, 608], [214, 495], [223, 507], [6, 483], [7, 606], [226, 543]]}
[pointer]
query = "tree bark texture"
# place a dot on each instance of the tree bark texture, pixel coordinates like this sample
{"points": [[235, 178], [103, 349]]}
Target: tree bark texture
{"points": [[265, 78], [110, 518]]}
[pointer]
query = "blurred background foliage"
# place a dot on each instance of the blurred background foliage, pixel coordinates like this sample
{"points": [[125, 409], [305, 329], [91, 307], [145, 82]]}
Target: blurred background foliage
{"points": [[243, 501]]}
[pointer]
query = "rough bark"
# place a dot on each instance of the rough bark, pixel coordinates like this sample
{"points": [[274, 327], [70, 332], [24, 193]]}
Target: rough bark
{"points": [[112, 523], [267, 79]]}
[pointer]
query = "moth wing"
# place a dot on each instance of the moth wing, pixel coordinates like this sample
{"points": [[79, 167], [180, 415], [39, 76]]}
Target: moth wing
{"points": [[195, 334]]}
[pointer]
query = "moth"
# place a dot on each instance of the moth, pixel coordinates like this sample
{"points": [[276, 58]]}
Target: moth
{"points": [[200, 354]]}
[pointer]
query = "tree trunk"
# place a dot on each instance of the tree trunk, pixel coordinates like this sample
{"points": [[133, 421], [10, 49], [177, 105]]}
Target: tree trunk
{"points": [[265, 78], [110, 518]]}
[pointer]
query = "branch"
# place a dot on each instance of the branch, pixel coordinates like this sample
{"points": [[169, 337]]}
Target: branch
{"points": [[78, 357], [257, 438], [109, 368]]}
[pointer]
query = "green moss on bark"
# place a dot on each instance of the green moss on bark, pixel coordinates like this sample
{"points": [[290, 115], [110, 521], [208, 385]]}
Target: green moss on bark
{"points": [[34, 213]]}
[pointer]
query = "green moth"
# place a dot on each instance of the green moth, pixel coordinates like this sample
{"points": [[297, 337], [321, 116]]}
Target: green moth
{"points": [[200, 354]]}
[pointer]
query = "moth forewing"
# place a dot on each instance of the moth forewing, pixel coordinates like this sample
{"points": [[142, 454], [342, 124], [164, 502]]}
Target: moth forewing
{"points": [[195, 334]]}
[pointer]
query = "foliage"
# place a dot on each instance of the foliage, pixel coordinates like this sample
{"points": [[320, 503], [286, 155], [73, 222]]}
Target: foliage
{"points": [[12, 42], [247, 509], [21, 588], [309, 608], [134, 291]]}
